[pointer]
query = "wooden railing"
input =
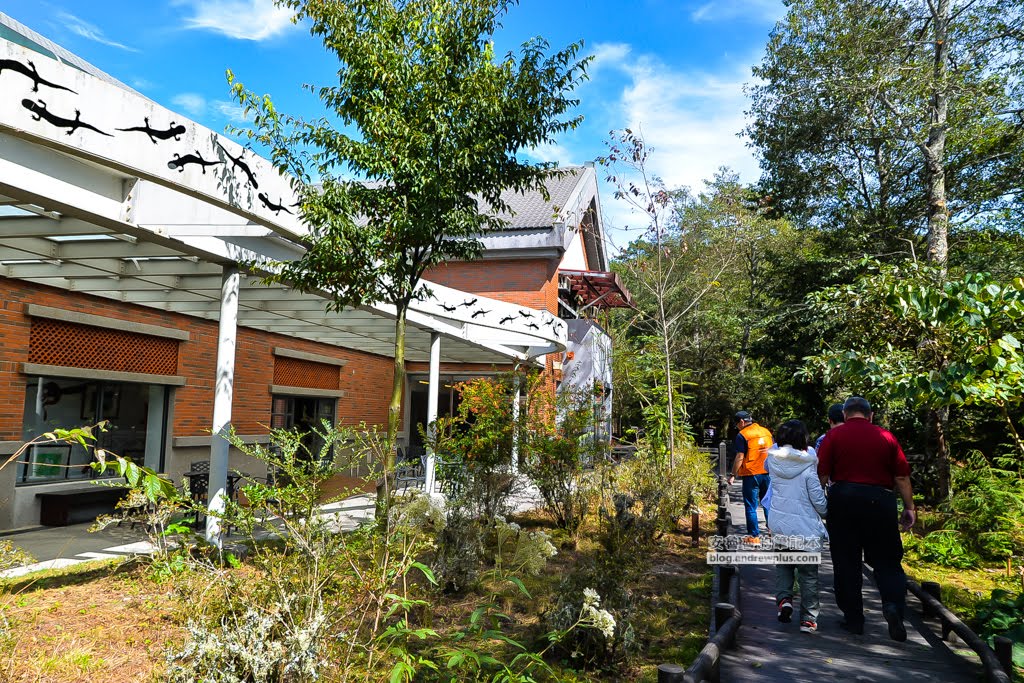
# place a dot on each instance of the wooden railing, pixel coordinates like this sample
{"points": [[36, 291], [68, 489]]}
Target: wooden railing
{"points": [[998, 665]]}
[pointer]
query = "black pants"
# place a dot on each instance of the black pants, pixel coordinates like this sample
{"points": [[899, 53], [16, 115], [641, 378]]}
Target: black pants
{"points": [[863, 527]]}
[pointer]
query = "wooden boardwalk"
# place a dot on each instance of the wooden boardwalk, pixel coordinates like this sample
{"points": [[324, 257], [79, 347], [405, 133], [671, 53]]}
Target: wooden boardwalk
{"points": [[769, 651]]}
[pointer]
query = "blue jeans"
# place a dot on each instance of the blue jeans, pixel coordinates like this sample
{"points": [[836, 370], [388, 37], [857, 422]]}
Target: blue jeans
{"points": [[754, 486]]}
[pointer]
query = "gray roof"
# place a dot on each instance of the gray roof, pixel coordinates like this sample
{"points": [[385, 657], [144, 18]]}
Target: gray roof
{"points": [[19, 34], [531, 210]]}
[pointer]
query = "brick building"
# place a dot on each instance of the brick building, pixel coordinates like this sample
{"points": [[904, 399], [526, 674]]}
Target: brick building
{"points": [[123, 297]]}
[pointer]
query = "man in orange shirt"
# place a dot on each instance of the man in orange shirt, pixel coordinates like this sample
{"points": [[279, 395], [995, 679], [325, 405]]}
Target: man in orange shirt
{"points": [[752, 444]]}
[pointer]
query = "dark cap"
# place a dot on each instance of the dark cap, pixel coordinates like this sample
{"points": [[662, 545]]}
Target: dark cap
{"points": [[743, 415]]}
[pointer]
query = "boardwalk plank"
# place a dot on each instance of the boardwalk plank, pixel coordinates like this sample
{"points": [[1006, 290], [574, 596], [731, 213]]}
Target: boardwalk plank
{"points": [[768, 651]]}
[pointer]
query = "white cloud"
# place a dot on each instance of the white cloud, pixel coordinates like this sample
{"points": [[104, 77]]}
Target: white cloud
{"points": [[143, 84], [606, 54], [230, 110], [550, 152], [87, 30], [241, 19], [732, 10], [689, 119], [191, 103]]}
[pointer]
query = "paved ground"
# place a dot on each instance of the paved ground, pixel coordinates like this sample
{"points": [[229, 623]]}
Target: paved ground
{"points": [[769, 651], [56, 547]]}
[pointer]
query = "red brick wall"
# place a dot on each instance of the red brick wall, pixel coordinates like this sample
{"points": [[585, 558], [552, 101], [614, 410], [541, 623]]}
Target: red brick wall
{"points": [[366, 378], [528, 282]]}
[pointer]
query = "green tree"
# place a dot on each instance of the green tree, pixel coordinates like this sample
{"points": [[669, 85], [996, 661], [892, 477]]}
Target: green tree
{"points": [[429, 121], [893, 116], [951, 346]]}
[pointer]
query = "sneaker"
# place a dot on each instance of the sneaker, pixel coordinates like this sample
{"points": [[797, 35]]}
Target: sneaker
{"points": [[808, 626], [785, 611], [897, 631]]}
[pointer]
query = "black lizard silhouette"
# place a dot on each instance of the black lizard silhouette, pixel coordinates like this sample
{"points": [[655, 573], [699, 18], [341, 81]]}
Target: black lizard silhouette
{"points": [[276, 208], [506, 319], [30, 71], [479, 313], [40, 112], [448, 308], [525, 314], [173, 132], [469, 303], [237, 161], [534, 326], [180, 162]]}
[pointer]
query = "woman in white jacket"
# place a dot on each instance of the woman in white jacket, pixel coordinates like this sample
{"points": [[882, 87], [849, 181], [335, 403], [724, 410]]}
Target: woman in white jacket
{"points": [[797, 504]]}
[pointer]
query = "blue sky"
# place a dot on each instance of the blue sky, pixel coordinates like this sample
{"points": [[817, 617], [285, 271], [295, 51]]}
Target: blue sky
{"points": [[672, 69]]}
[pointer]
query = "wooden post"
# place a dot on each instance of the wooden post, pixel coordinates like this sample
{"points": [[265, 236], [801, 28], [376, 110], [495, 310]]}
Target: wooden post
{"points": [[670, 673], [933, 589], [723, 611], [695, 528], [725, 573], [1004, 653]]}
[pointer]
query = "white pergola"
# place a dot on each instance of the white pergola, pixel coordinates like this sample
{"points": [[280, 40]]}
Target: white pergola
{"points": [[114, 211]]}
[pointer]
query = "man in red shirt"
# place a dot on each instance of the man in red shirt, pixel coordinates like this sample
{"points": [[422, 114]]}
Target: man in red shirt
{"points": [[863, 463]]}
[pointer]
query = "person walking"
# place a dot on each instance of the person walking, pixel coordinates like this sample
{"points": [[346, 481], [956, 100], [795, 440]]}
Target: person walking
{"points": [[835, 417], [752, 444], [797, 504], [864, 463]]}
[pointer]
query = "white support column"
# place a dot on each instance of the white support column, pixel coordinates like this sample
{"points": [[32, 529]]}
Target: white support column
{"points": [[434, 384], [515, 421], [222, 402]]}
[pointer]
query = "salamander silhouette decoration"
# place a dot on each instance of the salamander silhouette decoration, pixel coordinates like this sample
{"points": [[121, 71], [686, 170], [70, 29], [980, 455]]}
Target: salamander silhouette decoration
{"points": [[41, 113], [173, 132], [450, 309], [237, 161], [506, 319], [533, 326], [469, 303], [30, 72], [276, 208], [180, 162], [479, 312]]}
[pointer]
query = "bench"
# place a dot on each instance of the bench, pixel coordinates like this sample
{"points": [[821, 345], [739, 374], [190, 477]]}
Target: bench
{"points": [[74, 505]]}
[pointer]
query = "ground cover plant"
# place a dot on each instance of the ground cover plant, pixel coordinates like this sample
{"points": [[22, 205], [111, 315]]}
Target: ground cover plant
{"points": [[295, 594]]}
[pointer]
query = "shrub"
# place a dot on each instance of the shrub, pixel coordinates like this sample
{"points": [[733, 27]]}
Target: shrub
{"points": [[607, 639], [561, 452], [986, 508], [1003, 615]]}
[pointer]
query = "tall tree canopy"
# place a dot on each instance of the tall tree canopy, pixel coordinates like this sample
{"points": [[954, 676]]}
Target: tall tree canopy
{"points": [[430, 123], [894, 116]]}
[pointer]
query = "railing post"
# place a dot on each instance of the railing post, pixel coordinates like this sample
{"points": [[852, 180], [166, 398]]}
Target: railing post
{"points": [[695, 528], [721, 461], [1004, 653], [933, 589], [723, 611], [725, 573], [670, 673]]}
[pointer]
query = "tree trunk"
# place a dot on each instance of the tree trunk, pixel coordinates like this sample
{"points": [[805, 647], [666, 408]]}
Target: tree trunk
{"points": [[385, 484], [938, 212], [935, 147]]}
